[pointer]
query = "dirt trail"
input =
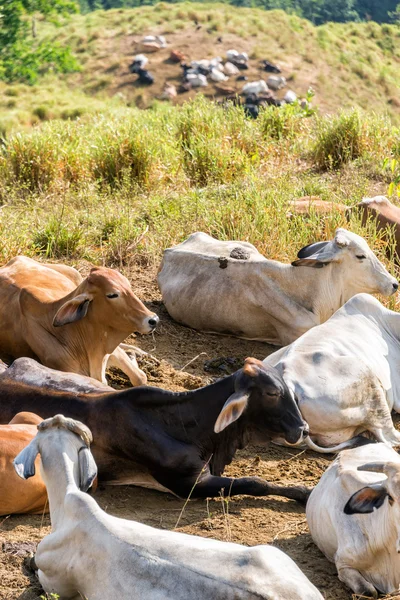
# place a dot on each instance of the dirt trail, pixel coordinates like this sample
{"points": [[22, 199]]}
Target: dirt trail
{"points": [[242, 519]]}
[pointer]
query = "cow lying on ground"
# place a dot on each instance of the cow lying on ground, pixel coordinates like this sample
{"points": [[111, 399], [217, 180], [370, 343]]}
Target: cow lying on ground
{"points": [[387, 217], [48, 312], [16, 497], [178, 442], [307, 206], [345, 374], [364, 547], [91, 554], [229, 287]]}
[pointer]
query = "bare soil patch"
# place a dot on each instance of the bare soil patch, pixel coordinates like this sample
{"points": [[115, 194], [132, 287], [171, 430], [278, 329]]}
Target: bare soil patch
{"points": [[242, 519]]}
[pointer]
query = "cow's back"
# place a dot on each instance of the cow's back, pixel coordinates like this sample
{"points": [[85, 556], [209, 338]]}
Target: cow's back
{"points": [[227, 287], [17, 495], [25, 283]]}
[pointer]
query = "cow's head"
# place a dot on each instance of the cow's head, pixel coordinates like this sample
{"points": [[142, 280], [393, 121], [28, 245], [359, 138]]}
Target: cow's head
{"points": [[59, 437], [360, 268], [270, 408], [372, 497], [109, 297]]}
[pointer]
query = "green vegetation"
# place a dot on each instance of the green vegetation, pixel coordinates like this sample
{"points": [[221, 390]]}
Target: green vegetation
{"points": [[22, 57], [119, 188]]}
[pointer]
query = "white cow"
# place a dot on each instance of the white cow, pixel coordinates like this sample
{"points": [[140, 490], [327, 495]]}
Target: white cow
{"points": [[364, 547], [345, 374], [91, 554], [254, 87], [229, 287]]}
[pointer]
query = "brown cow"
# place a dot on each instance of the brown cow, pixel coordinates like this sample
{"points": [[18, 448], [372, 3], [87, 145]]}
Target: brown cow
{"points": [[48, 312], [309, 205], [18, 496], [387, 216]]}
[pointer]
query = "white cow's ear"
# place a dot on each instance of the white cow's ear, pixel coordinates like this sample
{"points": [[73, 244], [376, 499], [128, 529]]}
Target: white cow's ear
{"points": [[367, 499], [322, 253], [73, 310], [24, 463], [231, 411], [87, 469]]}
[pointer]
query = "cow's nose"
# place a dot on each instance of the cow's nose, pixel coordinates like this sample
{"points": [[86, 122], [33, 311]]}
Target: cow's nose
{"points": [[395, 286], [153, 321]]}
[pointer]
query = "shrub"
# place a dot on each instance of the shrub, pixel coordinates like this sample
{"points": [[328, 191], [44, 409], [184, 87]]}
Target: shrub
{"points": [[57, 240], [339, 140]]}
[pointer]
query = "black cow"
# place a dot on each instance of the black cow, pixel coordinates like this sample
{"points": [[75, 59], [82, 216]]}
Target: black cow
{"points": [[145, 76], [270, 67], [180, 442]]}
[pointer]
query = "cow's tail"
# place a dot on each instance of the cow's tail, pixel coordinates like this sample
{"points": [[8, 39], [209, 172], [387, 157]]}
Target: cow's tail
{"points": [[353, 442]]}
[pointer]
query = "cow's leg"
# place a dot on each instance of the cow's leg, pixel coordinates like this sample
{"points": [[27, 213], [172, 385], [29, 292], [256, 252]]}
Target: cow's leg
{"points": [[135, 350], [356, 582], [129, 366], [210, 486]]}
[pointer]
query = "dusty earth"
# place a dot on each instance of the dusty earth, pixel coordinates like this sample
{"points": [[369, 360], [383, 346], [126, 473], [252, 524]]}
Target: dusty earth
{"points": [[242, 519]]}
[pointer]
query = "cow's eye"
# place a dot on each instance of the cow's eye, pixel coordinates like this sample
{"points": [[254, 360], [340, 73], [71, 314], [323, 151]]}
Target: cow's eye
{"points": [[113, 295], [360, 256]]}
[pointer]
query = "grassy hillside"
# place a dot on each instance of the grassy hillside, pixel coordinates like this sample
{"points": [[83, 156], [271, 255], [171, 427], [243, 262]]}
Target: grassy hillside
{"points": [[346, 64]]}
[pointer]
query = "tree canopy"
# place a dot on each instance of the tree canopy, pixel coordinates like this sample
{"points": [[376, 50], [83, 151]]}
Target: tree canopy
{"points": [[21, 55]]}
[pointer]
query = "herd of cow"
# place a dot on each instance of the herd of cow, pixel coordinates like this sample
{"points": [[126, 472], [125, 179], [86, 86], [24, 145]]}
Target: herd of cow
{"points": [[337, 377]]}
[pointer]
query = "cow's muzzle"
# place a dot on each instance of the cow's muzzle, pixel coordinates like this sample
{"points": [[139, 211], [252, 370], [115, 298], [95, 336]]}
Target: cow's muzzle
{"points": [[296, 436]]}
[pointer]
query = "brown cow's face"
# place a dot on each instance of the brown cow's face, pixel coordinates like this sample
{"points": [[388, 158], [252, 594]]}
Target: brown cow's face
{"points": [[115, 304]]}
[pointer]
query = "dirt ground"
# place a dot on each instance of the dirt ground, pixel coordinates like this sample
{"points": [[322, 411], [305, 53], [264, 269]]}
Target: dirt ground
{"points": [[242, 519]]}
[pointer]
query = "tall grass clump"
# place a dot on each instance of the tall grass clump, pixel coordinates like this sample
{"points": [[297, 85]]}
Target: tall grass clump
{"points": [[137, 146], [347, 136], [108, 149], [56, 239], [210, 145], [282, 122]]}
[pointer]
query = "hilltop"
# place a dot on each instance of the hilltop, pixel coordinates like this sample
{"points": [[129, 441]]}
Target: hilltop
{"points": [[352, 64]]}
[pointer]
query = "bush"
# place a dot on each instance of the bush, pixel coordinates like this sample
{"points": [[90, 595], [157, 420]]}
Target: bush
{"points": [[339, 140], [56, 240]]}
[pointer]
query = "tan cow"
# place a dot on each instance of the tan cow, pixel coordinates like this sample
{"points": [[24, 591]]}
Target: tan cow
{"points": [[48, 312], [307, 206], [17, 496], [387, 217]]}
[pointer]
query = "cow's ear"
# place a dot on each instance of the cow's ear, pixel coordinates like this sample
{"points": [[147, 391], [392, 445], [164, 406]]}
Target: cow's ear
{"points": [[24, 463], [367, 499], [73, 310], [87, 469], [231, 411]]}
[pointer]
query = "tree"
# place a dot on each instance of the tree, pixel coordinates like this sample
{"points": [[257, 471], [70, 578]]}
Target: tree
{"points": [[21, 56]]}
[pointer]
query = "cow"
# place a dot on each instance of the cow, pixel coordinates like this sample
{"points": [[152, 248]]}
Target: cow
{"points": [[16, 497], [145, 77], [268, 66], [92, 554], [353, 514], [176, 442], [229, 287], [48, 312], [308, 206], [387, 218], [344, 374]]}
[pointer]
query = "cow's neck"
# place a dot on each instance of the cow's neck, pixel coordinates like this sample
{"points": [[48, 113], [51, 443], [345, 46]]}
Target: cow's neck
{"points": [[58, 474], [319, 290], [86, 345]]}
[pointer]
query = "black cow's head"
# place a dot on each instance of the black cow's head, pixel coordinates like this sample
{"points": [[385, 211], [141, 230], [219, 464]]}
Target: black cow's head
{"points": [[270, 408]]}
